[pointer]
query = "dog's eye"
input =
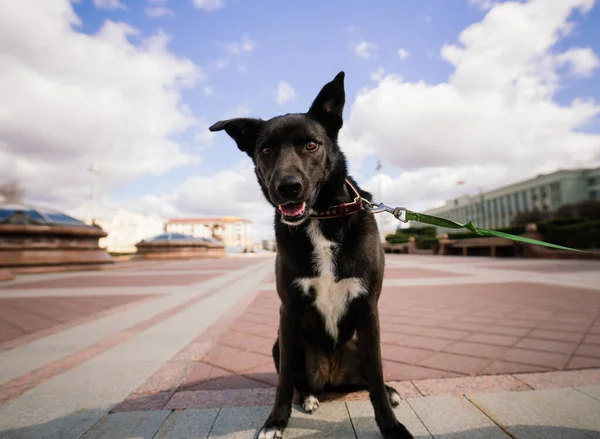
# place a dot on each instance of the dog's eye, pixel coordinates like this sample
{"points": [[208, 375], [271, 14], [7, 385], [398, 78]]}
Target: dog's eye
{"points": [[311, 146], [266, 151]]}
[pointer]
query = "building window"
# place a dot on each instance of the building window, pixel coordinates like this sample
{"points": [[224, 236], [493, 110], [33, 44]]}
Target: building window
{"points": [[594, 194], [534, 196], [591, 181], [555, 198], [525, 201]]}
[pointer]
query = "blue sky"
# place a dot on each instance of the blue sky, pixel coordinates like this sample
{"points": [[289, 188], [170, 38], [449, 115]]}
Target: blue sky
{"points": [[305, 44], [482, 91]]}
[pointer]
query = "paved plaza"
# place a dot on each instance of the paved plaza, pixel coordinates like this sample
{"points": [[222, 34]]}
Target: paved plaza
{"points": [[477, 348]]}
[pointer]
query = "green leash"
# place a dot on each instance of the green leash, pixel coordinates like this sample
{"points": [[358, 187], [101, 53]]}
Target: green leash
{"points": [[406, 215]]}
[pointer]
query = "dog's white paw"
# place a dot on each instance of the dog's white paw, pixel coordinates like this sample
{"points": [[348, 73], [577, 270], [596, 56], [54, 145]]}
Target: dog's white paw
{"points": [[270, 433], [310, 404], [394, 397]]}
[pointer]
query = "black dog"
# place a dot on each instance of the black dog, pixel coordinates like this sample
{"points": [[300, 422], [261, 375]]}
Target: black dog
{"points": [[329, 264]]}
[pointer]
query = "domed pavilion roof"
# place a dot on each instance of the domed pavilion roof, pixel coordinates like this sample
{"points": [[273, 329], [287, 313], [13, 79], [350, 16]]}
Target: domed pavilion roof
{"points": [[17, 213], [175, 237]]}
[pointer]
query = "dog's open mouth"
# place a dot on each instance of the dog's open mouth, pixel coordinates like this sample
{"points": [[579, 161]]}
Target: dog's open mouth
{"points": [[292, 211]]}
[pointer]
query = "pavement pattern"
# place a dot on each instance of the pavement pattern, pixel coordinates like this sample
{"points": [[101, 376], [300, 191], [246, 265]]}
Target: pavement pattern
{"points": [[477, 347]]}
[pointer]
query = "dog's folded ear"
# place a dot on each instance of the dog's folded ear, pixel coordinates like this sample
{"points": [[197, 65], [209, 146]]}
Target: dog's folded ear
{"points": [[328, 106], [243, 130]]}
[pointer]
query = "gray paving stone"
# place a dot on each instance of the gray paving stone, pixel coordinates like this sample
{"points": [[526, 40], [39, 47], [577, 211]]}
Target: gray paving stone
{"points": [[138, 425], [105, 380], [188, 424], [239, 422], [591, 390], [331, 420], [363, 419], [454, 417], [543, 414], [72, 426], [23, 359]]}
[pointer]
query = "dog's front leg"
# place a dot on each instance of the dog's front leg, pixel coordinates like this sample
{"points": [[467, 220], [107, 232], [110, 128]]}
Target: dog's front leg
{"points": [[282, 407], [369, 345]]}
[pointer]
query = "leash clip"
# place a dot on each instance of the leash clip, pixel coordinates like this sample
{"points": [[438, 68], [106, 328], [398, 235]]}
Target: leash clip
{"points": [[398, 212]]}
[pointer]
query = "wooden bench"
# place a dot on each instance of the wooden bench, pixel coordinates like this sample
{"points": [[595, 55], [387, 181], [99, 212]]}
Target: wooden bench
{"points": [[464, 245]]}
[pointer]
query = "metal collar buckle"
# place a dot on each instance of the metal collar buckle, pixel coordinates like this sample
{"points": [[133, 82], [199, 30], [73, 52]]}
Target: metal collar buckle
{"points": [[398, 212]]}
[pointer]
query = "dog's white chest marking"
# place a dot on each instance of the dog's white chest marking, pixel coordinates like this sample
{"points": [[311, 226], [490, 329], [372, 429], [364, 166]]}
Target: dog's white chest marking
{"points": [[331, 298]]}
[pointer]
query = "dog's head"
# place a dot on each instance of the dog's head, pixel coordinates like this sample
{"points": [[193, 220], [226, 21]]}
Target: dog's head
{"points": [[294, 154]]}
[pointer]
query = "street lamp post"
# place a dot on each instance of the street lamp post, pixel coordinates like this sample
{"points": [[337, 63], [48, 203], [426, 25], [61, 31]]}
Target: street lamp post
{"points": [[95, 173]]}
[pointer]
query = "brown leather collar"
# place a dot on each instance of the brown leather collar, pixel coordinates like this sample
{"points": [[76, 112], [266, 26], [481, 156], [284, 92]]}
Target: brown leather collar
{"points": [[343, 209]]}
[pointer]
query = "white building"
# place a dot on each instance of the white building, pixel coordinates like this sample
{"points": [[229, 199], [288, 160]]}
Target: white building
{"points": [[236, 233], [497, 208]]}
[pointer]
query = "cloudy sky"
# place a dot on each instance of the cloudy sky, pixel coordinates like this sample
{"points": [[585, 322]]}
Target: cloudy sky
{"points": [[486, 92]]}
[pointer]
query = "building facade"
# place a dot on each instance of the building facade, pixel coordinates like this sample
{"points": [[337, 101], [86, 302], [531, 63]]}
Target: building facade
{"points": [[125, 229], [497, 208], [236, 233]]}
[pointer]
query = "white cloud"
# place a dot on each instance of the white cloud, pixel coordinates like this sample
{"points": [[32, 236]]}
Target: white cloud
{"points": [[209, 5], [208, 90], [365, 49], [239, 111], [377, 75], [285, 93], [234, 192], [242, 67], [403, 54], [204, 137], [582, 61], [159, 11], [109, 4], [245, 44], [70, 99], [235, 49], [494, 121], [483, 4]]}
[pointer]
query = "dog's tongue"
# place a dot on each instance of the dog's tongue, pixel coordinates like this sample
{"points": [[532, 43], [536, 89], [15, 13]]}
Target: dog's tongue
{"points": [[292, 209]]}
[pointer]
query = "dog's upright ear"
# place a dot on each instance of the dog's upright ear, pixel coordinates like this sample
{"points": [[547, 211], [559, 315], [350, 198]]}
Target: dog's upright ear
{"points": [[328, 106], [243, 130]]}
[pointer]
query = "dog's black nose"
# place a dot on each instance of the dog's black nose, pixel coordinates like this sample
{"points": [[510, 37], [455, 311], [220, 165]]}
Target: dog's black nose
{"points": [[289, 187]]}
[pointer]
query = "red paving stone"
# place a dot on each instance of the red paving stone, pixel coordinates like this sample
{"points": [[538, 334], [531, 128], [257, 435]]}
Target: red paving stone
{"points": [[23, 383], [578, 362], [455, 332], [28, 315], [417, 273], [459, 329], [504, 367], [537, 358], [110, 280], [570, 378], [475, 349], [203, 264], [541, 267], [452, 332]]}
